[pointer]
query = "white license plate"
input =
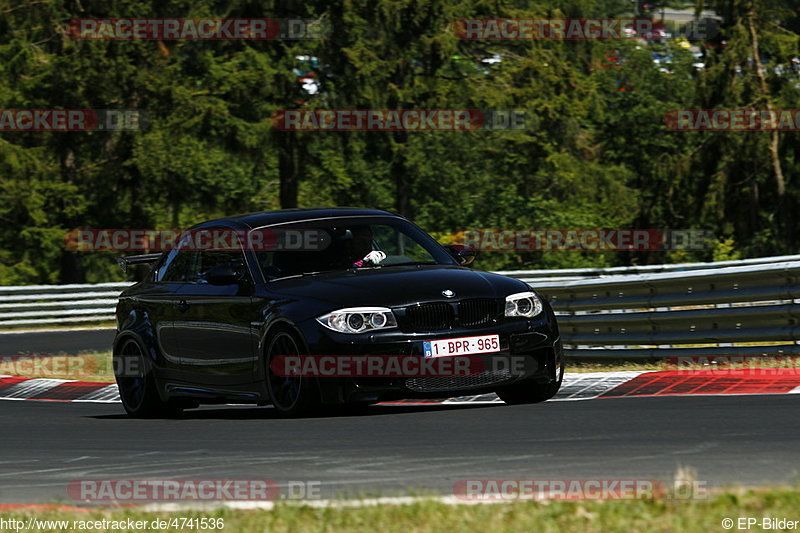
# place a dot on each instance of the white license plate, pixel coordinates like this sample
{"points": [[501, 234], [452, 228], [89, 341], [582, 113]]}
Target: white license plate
{"points": [[462, 346]]}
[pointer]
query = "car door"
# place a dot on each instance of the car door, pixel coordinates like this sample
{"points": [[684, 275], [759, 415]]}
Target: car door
{"points": [[161, 304], [213, 326]]}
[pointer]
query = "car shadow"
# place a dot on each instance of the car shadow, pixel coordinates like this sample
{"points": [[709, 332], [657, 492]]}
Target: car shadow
{"points": [[268, 413]]}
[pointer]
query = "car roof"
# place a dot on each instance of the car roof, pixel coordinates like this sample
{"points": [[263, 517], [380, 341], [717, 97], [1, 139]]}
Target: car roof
{"points": [[266, 218]]}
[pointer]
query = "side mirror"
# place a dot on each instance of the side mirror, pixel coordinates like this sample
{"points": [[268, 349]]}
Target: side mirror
{"points": [[463, 254], [224, 274]]}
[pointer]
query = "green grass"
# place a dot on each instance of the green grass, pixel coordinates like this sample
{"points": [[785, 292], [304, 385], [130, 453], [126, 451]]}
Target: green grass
{"points": [[89, 366], [612, 366], [609, 516]]}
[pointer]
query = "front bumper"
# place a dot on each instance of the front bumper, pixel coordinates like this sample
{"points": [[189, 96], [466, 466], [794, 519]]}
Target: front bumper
{"points": [[529, 349]]}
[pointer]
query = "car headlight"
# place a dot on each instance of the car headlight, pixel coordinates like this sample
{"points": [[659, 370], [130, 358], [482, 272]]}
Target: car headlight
{"points": [[524, 304], [358, 319]]}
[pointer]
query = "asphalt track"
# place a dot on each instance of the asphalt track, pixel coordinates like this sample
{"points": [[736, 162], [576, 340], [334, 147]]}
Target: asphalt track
{"points": [[55, 342], [395, 449]]}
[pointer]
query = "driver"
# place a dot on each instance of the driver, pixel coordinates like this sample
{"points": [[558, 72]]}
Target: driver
{"points": [[361, 251]]}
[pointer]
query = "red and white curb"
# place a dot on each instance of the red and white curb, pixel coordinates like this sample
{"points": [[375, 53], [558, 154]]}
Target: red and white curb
{"points": [[576, 386], [17, 388], [716, 382]]}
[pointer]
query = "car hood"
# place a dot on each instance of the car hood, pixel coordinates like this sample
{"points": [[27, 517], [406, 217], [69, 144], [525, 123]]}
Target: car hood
{"points": [[396, 286]]}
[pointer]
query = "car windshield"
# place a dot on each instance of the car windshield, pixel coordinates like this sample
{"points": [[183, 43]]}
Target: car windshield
{"points": [[348, 244]]}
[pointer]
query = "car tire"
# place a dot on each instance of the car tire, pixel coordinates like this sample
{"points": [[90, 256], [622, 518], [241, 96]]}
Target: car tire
{"points": [[529, 391], [291, 396], [137, 386]]}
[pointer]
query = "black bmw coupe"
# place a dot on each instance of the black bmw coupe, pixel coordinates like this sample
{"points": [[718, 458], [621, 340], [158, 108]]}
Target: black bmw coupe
{"points": [[207, 325]]}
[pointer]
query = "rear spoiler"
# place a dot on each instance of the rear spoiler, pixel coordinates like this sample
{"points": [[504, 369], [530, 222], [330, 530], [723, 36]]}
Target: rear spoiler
{"points": [[125, 262]]}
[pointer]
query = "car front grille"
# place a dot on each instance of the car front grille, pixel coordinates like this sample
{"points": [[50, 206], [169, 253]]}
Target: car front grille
{"points": [[430, 317], [477, 312], [437, 316], [452, 383]]}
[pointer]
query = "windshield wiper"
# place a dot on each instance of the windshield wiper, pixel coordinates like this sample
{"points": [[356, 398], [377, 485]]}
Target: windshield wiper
{"points": [[302, 275]]}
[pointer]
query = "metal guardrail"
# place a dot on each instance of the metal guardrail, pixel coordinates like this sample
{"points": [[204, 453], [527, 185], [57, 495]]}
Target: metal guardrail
{"points": [[570, 274], [655, 315], [36, 305], [611, 313]]}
